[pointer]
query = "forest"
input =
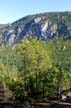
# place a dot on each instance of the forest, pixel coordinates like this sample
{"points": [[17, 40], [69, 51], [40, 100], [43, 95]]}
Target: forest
{"points": [[34, 69]]}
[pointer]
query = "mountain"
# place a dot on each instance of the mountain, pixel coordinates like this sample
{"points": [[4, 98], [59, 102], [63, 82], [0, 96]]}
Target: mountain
{"points": [[44, 26]]}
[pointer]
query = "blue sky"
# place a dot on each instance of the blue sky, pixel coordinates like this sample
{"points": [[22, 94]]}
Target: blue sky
{"points": [[11, 10]]}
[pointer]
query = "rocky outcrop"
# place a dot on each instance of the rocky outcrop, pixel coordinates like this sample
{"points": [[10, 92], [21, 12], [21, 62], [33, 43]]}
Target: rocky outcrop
{"points": [[43, 26]]}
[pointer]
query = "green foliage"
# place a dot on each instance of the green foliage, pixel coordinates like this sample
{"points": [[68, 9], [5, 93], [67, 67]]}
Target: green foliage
{"points": [[35, 63], [36, 69], [59, 51]]}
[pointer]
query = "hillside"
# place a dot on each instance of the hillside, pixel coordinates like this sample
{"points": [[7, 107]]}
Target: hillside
{"points": [[33, 70], [44, 26]]}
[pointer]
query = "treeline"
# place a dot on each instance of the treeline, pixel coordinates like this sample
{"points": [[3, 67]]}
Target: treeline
{"points": [[36, 69]]}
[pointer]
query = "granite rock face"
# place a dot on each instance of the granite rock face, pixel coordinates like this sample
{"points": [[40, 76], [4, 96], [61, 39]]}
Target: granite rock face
{"points": [[43, 26]]}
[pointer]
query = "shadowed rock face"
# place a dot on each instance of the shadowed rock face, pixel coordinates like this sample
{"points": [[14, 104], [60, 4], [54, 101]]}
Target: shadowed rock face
{"points": [[43, 26]]}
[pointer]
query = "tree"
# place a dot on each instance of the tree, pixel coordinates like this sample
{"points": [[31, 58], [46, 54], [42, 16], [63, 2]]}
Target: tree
{"points": [[35, 61]]}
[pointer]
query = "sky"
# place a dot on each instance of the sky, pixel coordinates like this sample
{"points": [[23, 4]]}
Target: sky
{"points": [[12, 10]]}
